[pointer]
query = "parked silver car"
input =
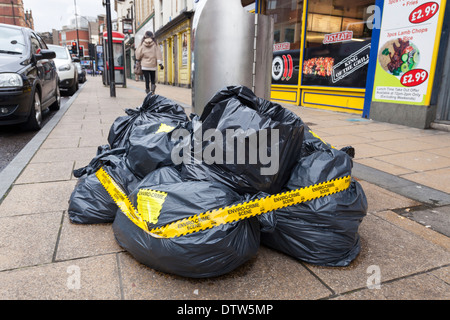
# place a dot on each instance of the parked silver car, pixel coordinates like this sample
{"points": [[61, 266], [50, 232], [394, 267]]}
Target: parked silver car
{"points": [[67, 71]]}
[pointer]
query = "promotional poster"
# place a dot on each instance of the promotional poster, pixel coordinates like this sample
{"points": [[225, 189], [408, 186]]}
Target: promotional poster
{"points": [[406, 51]]}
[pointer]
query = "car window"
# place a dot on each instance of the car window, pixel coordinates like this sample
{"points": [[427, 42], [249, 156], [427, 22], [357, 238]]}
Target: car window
{"points": [[35, 45], [61, 52], [42, 42], [12, 41]]}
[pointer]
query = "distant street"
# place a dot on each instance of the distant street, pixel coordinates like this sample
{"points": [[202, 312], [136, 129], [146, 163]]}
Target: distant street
{"points": [[13, 138]]}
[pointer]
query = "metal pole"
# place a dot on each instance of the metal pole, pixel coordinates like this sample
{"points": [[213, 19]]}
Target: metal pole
{"points": [[76, 24], [112, 85]]}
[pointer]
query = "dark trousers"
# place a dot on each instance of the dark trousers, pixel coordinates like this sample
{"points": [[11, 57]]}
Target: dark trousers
{"points": [[149, 77]]}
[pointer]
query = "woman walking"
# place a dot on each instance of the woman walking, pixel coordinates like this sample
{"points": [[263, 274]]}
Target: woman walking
{"points": [[149, 54]]}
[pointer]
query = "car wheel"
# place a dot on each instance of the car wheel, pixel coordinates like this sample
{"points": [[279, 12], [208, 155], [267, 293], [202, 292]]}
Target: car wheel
{"points": [[57, 104], [34, 121], [75, 87]]}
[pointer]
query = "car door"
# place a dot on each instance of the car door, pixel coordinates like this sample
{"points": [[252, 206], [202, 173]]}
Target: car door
{"points": [[50, 72], [44, 72], [35, 49]]}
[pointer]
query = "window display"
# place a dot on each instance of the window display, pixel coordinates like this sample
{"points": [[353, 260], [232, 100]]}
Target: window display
{"points": [[337, 47]]}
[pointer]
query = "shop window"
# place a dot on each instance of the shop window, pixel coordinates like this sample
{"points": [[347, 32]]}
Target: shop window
{"points": [[287, 16], [337, 44], [276, 36], [289, 35]]}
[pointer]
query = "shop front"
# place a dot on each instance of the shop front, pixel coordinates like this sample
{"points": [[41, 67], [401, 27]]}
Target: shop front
{"points": [[175, 39], [345, 56], [321, 52]]}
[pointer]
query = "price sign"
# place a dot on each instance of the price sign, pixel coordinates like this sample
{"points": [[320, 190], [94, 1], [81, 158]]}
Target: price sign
{"points": [[424, 12], [414, 77]]}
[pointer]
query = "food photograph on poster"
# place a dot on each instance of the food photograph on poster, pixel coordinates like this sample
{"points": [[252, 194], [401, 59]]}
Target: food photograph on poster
{"points": [[399, 56], [332, 64]]}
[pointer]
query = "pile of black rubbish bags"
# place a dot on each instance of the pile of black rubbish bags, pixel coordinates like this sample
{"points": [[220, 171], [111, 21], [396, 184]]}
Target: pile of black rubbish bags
{"points": [[140, 155]]}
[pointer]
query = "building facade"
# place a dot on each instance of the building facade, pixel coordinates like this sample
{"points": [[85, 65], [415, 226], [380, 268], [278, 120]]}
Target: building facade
{"points": [[68, 35], [173, 33], [12, 12], [84, 31]]}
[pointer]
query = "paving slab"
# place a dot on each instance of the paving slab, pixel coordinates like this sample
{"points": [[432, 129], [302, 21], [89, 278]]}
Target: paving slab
{"points": [[95, 278], [380, 199], [90, 141], [424, 286], [440, 140], [417, 160], [384, 136], [399, 145], [28, 240], [396, 252], [26, 199], [384, 166], [79, 241], [438, 179], [64, 154], [366, 150], [340, 140], [66, 130], [58, 143], [437, 234], [270, 275], [443, 151], [401, 186], [46, 172]]}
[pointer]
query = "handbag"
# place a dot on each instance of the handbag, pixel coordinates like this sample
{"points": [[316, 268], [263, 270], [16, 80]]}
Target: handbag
{"points": [[138, 68]]}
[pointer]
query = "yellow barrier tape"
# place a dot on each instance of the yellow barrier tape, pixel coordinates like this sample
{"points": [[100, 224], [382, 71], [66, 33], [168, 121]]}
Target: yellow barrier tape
{"points": [[225, 215], [316, 136], [120, 198]]}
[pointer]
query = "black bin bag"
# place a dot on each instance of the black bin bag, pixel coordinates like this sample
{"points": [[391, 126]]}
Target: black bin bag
{"points": [[90, 203], [149, 148], [322, 231], [260, 141], [207, 253], [154, 110]]}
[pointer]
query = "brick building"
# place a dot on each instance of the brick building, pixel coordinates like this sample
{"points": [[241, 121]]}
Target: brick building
{"points": [[12, 12], [68, 35]]}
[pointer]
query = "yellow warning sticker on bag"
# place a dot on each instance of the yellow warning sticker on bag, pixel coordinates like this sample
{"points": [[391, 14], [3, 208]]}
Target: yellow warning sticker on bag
{"points": [[164, 128], [149, 203]]}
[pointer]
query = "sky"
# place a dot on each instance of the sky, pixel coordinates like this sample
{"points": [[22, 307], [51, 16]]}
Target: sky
{"points": [[53, 14]]}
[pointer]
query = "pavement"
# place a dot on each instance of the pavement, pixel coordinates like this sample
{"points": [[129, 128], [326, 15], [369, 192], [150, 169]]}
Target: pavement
{"points": [[405, 251]]}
